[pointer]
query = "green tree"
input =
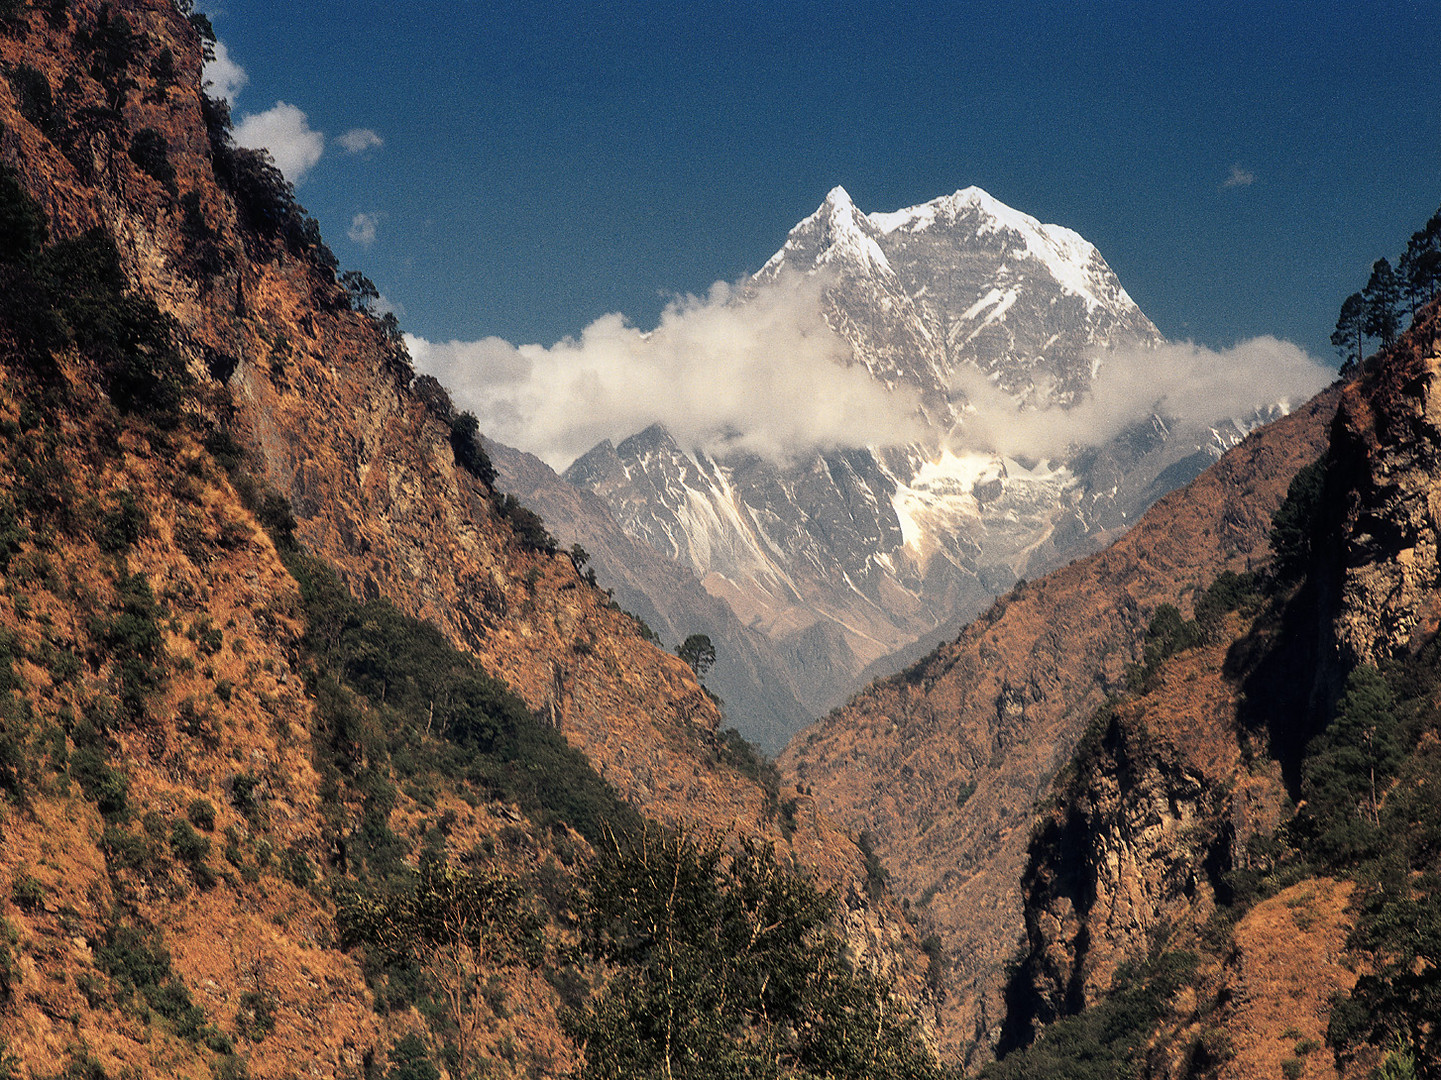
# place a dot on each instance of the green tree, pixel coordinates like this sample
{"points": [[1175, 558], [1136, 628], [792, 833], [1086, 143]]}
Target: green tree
{"points": [[457, 924], [698, 652], [1295, 522], [1400, 999], [151, 152], [435, 398], [1348, 767], [23, 230], [727, 965], [34, 98], [1398, 1064], [465, 444], [1383, 303], [578, 557], [1420, 265], [410, 1061], [362, 291], [128, 337], [136, 646], [1349, 337]]}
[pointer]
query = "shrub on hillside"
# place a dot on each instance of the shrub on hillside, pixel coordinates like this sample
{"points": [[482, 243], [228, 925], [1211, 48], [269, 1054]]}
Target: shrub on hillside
{"points": [[150, 151], [1294, 524]]}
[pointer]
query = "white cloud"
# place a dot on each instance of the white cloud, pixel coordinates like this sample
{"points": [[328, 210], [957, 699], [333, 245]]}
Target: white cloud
{"points": [[362, 229], [766, 375], [223, 75], [287, 134], [358, 140], [1179, 381], [1239, 177]]}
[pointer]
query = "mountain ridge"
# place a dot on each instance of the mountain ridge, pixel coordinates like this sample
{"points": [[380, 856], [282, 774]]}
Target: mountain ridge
{"points": [[944, 762], [848, 557], [755, 690]]}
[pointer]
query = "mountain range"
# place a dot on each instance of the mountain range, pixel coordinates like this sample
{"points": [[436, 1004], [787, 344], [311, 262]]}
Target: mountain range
{"points": [[845, 558], [320, 754]]}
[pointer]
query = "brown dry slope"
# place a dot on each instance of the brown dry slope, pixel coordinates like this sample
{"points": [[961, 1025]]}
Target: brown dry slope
{"points": [[1170, 812], [944, 763], [319, 392]]}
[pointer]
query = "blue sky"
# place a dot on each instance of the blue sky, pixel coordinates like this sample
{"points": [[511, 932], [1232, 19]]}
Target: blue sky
{"points": [[1239, 165]]}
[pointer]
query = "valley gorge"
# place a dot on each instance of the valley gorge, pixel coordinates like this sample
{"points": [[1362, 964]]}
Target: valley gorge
{"points": [[324, 752]]}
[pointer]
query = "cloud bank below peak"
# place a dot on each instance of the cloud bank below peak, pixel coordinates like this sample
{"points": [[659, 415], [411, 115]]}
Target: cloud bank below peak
{"points": [[758, 369], [760, 372], [1181, 382]]}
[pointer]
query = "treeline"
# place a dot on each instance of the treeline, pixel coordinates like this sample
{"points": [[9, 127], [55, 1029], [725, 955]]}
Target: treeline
{"points": [[1378, 310]]}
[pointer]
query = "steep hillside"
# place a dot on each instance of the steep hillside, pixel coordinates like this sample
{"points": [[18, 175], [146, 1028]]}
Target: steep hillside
{"points": [[319, 391], [1160, 850], [944, 763], [1236, 873], [1381, 589], [280, 668], [759, 699]]}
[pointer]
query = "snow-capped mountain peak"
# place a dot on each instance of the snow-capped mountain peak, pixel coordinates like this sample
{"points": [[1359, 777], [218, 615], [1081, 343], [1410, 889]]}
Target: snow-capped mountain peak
{"points": [[839, 232], [1067, 256], [963, 281], [847, 555]]}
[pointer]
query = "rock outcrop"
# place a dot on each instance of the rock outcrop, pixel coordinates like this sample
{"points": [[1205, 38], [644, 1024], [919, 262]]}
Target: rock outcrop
{"points": [[1384, 502]]}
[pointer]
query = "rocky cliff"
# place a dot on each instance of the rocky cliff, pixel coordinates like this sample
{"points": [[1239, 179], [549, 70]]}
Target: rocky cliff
{"points": [[1261, 786], [1382, 472], [945, 763]]}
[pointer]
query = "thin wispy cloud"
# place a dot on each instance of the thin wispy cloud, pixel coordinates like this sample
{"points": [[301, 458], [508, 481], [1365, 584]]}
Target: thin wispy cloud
{"points": [[760, 372], [359, 140], [1239, 177], [223, 76], [285, 131], [362, 229]]}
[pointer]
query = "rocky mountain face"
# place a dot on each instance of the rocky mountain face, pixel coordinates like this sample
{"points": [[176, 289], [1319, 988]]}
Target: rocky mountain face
{"points": [[198, 426], [1179, 808], [1380, 592], [799, 556], [964, 279], [945, 762], [847, 557], [755, 688]]}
